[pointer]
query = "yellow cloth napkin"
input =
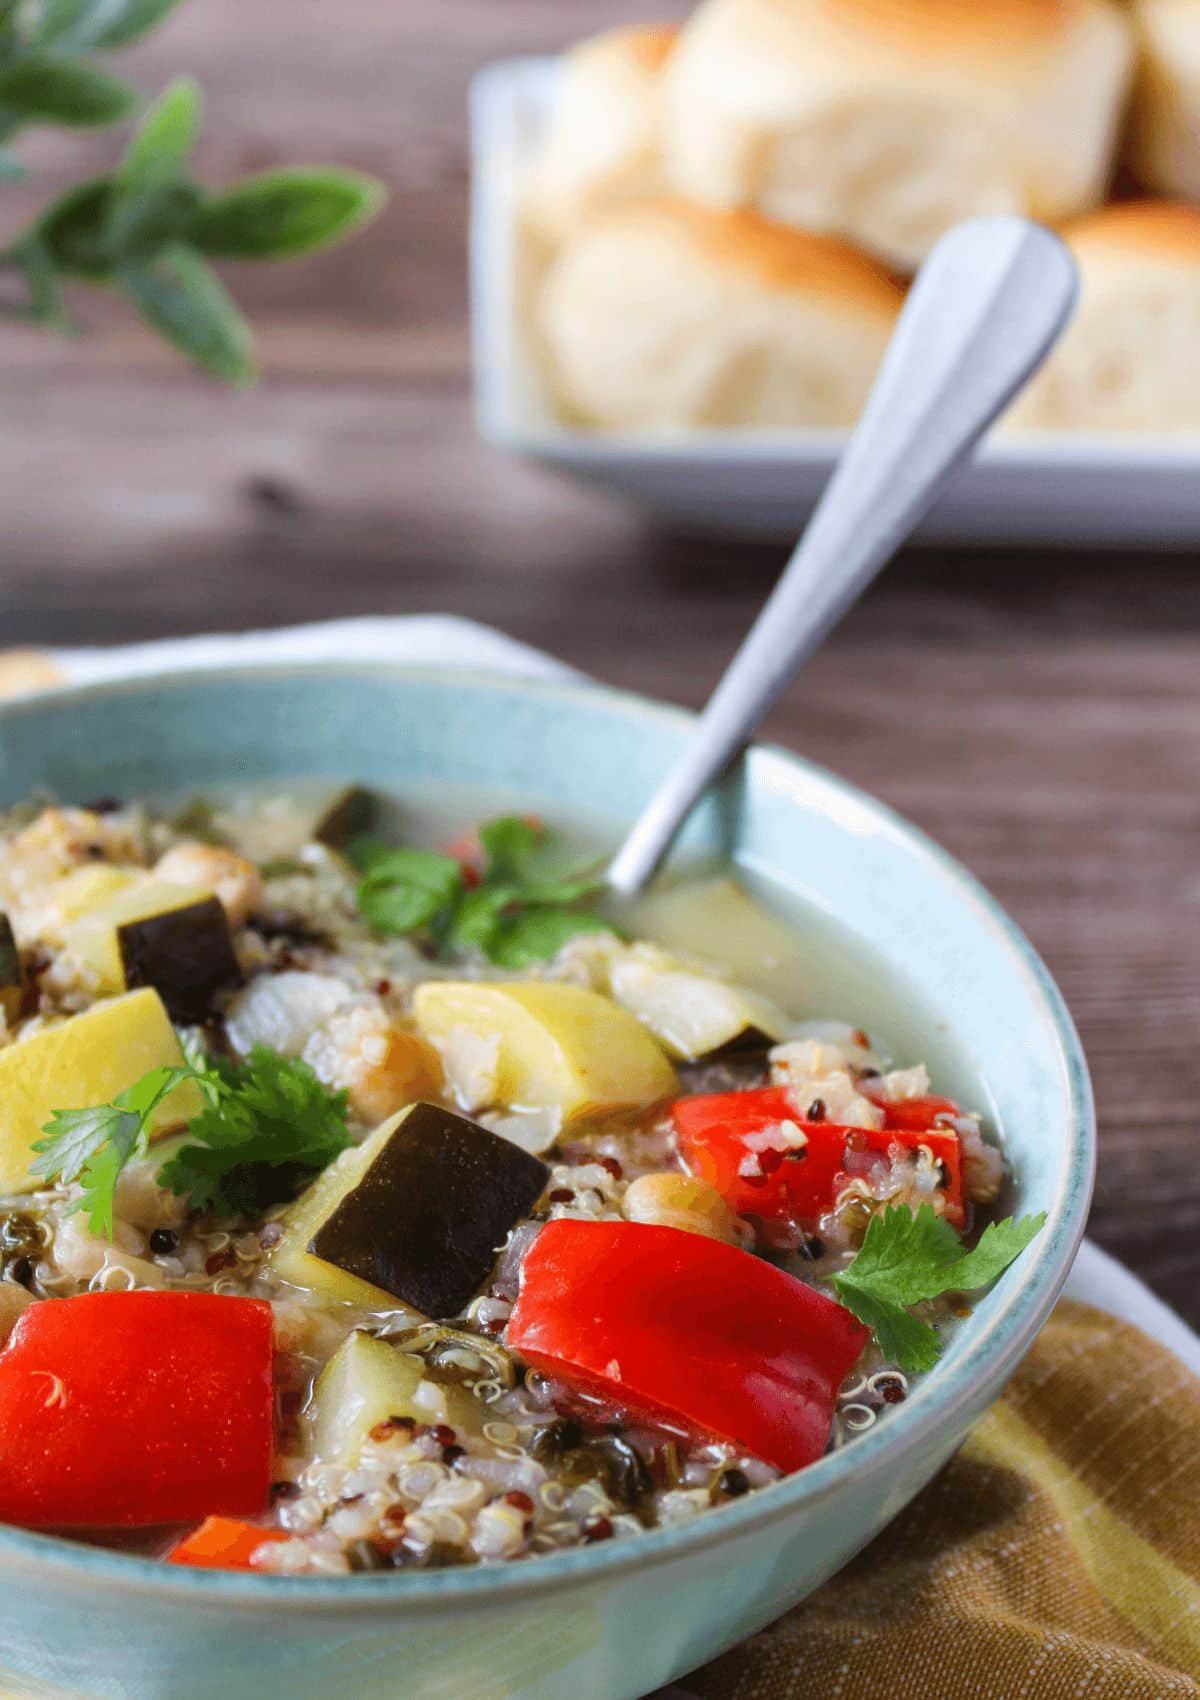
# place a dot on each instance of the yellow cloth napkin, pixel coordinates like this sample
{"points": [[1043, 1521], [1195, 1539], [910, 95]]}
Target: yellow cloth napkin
{"points": [[1056, 1557]]}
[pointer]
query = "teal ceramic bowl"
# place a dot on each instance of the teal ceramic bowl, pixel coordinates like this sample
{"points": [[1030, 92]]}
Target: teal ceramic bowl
{"points": [[605, 1622]]}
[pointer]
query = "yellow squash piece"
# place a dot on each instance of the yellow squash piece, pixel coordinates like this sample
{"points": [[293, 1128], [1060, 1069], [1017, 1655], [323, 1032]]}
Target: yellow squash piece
{"points": [[558, 1046], [94, 933], [366, 1382], [84, 1061], [84, 889]]}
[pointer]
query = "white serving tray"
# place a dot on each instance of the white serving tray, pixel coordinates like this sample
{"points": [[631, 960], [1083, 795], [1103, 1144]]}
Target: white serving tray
{"points": [[1066, 488]]}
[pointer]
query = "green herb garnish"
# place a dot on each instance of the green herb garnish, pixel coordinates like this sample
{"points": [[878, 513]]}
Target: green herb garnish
{"points": [[266, 1125], [404, 890], [905, 1259], [270, 1114], [521, 910], [92, 1146]]}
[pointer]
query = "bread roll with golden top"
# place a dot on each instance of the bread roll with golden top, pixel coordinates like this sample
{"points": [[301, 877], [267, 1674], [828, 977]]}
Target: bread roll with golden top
{"points": [[887, 121], [1165, 136], [664, 316], [1130, 359], [26, 670], [602, 145]]}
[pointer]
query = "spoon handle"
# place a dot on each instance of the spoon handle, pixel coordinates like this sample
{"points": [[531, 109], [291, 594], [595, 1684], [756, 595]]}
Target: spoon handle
{"points": [[983, 313]]}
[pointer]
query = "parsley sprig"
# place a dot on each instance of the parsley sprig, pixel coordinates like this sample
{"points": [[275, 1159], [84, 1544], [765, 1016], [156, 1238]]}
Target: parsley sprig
{"points": [[266, 1124], [905, 1259], [521, 911]]}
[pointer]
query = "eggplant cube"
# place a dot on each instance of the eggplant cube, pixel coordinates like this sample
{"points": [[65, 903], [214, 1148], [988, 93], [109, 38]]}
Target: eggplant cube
{"points": [[345, 815], [423, 1221], [186, 954], [12, 980], [172, 937]]}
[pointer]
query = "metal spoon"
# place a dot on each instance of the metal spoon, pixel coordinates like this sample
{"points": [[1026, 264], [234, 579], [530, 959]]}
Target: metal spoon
{"points": [[987, 307]]}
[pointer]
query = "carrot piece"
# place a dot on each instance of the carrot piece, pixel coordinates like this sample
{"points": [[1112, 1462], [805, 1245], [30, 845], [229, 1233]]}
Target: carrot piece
{"points": [[223, 1543]]}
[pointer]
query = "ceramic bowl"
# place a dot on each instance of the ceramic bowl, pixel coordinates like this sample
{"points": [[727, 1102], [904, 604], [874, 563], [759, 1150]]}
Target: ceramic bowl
{"points": [[604, 1622]]}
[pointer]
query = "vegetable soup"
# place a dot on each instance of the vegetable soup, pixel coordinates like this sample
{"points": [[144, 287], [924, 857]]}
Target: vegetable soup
{"points": [[366, 1205]]}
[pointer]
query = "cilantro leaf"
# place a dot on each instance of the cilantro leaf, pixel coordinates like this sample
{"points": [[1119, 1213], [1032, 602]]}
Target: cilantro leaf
{"points": [[903, 1339], [527, 855], [999, 1243], [102, 1170], [74, 1136], [516, 914], [510, 844], [272, 1121], [407, 889], [537, 933], [907, 1258], [902, 1254], [366, 851], [93, 1145], [266, 1125], [476, 918]]}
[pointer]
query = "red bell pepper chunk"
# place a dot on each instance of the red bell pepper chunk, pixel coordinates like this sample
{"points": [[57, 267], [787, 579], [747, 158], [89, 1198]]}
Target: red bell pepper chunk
{"points": [[223, 1543], [783, 1187], [130, 1409], [915, 1115], [681, 1330]]}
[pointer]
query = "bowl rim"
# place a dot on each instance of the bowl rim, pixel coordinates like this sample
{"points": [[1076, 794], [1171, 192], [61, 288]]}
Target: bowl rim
{"points": [[990, 1356]]}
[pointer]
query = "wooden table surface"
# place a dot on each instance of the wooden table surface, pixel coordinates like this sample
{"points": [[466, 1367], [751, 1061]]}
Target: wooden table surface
{"points": [[1039, 713]]}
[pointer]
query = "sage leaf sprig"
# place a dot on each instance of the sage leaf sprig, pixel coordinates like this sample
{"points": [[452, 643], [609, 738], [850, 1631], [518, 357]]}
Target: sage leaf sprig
{"points": [[148, 230], [46, 76]]}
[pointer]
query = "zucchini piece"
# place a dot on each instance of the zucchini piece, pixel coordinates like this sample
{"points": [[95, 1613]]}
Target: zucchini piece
{"points": [[719, 922], [172, 937], [414, 1214], [366, 1382], [12, 978], [555, 1046], [84, 1061], [693, 1015]]}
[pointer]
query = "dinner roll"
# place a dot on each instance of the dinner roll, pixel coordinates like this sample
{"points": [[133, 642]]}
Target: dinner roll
{"points": [[886, 121], [1130, 361], [25, 670], [663, 315], [602, 144], [1165, 140]]}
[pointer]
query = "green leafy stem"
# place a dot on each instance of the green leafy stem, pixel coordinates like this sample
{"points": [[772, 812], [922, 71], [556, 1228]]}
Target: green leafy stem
{"points": [[148, 229]]}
